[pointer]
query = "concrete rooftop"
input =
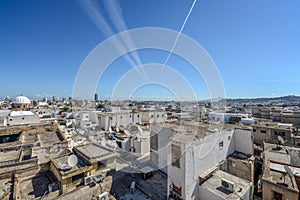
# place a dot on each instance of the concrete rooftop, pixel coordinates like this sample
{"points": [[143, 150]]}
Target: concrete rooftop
{"points": [[213, 184], [189, 131], [276, 174], [94, 153], [9, 155]]}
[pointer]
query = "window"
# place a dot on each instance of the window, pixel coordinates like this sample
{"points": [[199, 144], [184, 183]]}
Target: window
{"points": [[23, 118], [100, 164], [152, 116], [26, 157], [275, 133], [154, 142], [221, 144], [229, 137], [277, 196], [177, 190], [121, 117], [157, 115], [263, 131], [77, 177], [10, 119], [176, 153], [254, 130]]}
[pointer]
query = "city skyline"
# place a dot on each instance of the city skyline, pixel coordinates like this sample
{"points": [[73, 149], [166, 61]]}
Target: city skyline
{"points": [[254, 45]]}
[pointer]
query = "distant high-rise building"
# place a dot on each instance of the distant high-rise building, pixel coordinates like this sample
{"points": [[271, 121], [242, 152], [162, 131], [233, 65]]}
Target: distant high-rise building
{"points": [[54, 98], [96, 97]]}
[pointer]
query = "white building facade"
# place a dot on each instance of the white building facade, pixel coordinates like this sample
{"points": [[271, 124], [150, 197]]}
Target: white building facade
{"points": [[190, 156]]}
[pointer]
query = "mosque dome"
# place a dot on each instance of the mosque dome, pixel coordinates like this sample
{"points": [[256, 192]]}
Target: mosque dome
{"points": [[22, 100]]}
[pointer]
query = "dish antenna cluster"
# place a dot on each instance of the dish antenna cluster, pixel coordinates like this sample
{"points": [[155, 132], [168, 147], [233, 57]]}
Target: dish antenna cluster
{"points": [[72, 160]]}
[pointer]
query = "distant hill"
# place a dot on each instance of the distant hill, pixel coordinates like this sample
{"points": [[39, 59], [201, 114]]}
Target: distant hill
{"points": [[291, 99]]}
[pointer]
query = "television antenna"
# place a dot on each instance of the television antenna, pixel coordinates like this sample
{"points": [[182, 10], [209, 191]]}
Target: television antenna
{"points": [[72, 160]]}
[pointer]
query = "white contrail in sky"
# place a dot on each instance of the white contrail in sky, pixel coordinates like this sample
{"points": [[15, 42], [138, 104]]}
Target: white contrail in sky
{"points": [[115, 13], [99, 20], [180, 31]]}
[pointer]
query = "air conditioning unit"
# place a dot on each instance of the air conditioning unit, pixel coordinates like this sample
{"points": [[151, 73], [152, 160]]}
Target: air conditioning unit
{"points": [[103, 196], [99, 178], [50, 187], [228, 185], [88, 180], [132, 187]]}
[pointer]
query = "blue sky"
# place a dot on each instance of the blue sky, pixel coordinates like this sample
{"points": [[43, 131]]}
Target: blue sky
{"points": [[255, 45]]}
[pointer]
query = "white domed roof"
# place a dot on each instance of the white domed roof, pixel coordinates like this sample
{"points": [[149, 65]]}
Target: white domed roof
{"points": [[22, 100]]}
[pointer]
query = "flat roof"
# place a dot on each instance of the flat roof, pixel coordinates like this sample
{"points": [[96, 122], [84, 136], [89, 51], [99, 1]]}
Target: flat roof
{"points": [[189, 131], [280, 168], [276, 174], [213, 184], [273, 125], [61, 163], [241, 156], [147, 169], [4, 113], [9, 155], [94, 152], [21, 113], [276, 148]]}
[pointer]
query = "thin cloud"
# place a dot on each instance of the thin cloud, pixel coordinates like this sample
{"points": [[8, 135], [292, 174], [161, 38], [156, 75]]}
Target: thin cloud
{"points": [[44, 95]]}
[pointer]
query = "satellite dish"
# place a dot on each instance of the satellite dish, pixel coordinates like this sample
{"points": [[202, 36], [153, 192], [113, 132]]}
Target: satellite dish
{"points": [[281, 140], [288, 171], [117, 129], [126, 132], [110, 130], [72, 160]]}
